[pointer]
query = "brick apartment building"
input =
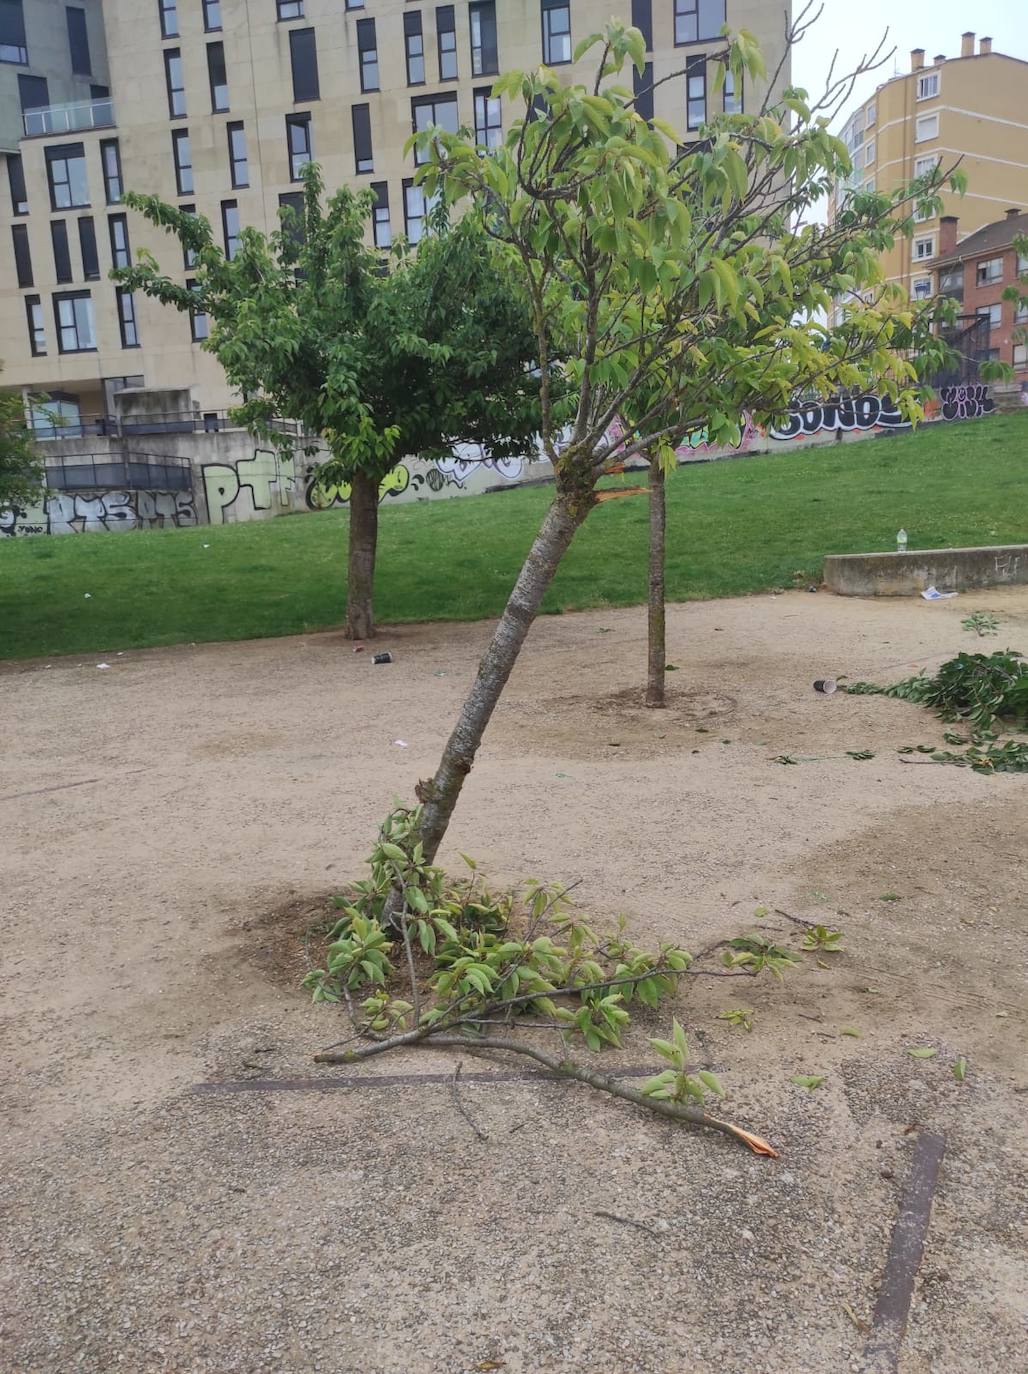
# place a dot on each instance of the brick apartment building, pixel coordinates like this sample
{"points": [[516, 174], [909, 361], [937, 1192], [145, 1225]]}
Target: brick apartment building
{"points": [[976, 272]]}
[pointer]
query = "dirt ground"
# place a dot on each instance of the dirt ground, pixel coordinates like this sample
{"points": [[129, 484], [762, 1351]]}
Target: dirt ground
{"points": [[171, 824]]}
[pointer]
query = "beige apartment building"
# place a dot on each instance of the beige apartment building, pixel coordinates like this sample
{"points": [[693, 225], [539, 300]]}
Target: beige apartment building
{"points": [[972, 109], [217, 104]]}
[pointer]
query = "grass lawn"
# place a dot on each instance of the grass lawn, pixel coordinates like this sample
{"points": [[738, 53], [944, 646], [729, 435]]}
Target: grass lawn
{"points": [[733, 527]]}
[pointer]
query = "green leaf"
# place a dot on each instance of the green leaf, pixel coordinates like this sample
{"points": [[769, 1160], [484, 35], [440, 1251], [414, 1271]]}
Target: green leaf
{"points": [[808, 1080], [711, 1081], [923, 1052], [959, 1069]]}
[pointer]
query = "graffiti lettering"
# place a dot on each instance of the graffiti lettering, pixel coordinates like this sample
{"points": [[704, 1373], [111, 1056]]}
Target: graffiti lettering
{"points": [[267, 476], [322, 493], [965, 402], [63, 512], [843, 413]]}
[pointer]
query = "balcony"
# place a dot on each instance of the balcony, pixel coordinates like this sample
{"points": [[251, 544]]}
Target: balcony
{"points": [[69, 119]]}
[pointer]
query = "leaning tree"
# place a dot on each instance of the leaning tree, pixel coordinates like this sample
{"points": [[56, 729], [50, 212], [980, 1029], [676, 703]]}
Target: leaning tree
{"points": [[679, 286], [377, 356]]}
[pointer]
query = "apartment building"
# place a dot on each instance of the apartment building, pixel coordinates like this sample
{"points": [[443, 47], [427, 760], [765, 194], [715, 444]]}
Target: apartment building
{"points": [[971, 109], [975, 272], [217, 105]]}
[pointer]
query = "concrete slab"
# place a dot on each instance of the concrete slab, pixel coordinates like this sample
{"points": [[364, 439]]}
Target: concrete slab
{"points": [[904, 574]]}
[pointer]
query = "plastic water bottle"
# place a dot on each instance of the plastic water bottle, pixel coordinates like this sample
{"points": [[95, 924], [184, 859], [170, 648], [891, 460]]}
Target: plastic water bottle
{"points": [[901, 542]]}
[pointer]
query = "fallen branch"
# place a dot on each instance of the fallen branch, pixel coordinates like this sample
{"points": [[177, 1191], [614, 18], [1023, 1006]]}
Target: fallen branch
{"points": [[455, 1085]]}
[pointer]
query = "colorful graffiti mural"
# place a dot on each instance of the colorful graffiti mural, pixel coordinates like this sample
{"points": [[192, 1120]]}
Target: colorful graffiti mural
{"points": [[258, 484], [842, 413], [452, 471], [64, 512]]}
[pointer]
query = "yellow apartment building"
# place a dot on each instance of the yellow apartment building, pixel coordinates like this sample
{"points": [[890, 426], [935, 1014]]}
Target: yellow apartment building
{"points": [[216, 105], [972, 109]]}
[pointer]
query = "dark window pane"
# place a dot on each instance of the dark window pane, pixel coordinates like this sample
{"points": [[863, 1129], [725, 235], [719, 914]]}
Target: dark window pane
{"points": [[87, 246], [484, 55], [362, 152], [33, 92], [78, 40], [22, 256], [110, 161], [367, 53], [303, 56], [642, 19], [16, 180], [642, 85], [12, 32], [218, 76], [62, 255]]}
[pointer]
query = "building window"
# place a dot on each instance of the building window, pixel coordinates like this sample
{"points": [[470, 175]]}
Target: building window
{"points": [[485, 59], [169, 18], [871, 114], [556, 32], [22, 256], [922, 288], [732, 92], [218, 77], [78, 40], [33, 92], [188, 254], [928, 86], [239, 168], [488, 119], [183, 159], [414, 45], [37, 334], [380, 215], [367, 54], [926, 127], [230, 227], [117, 228], [870, 152], [1022, 264], [951, 283], [1020, 355], [698, 20], [290, 9], [199, 323], [924, 248], [127, 318], [696, 91], [110, 163], [433, 111], [992, 313], [922, 214], [990, 270], [303, 59], [1021, 314], [354, 4], [924, 165], [293, 226], [413, 211], [642, 19], [87, 247], [16, 181], [642, 89], [298, 140], [73, 314], [175, 83], [12, 33], [66, 174], [211, 15], [363, 156], [62, 253], [446, 35]]}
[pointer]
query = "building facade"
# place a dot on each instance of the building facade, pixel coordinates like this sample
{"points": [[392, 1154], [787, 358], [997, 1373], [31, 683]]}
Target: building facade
{"points": [[975, 272], [216, 105], [970, 108]]}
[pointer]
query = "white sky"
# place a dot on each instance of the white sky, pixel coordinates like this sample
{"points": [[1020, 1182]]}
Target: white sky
{"points": [[854, 27]]}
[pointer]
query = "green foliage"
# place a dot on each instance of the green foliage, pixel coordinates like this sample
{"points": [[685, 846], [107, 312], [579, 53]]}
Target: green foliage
{"points": [[1010, 756], [975, 687], [677, 1084], [21, 472], [982, 623], [739, 1017], [479, 950], [923, 1052], [821, 938], [809, 1081], [755, 954], [959, 1069]]}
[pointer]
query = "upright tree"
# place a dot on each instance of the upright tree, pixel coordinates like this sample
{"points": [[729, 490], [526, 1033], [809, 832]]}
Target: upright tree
{"points": [[376, 356], [681, 286], [21, 473], [656, 612]]}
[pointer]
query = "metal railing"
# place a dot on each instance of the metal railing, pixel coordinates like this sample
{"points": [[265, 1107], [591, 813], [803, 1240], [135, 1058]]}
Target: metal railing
{"points": [[138, 472], [148, 422], [71, 118]]}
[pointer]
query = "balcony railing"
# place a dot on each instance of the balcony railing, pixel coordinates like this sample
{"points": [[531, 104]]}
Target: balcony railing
{"points": [[69, 119], [48, 426]]}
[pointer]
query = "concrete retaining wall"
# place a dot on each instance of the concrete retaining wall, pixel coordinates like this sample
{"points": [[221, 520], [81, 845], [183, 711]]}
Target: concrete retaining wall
{"points": [[905, 574]]}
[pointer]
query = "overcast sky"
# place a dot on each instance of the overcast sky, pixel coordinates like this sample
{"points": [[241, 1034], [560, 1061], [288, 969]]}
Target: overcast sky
{"points": [[854, 27]]}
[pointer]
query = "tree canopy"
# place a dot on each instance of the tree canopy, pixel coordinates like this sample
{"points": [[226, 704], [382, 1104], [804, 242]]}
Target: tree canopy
{"points": [[21, 473]]}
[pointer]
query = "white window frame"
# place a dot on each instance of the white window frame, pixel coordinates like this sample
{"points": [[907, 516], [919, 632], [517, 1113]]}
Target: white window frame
{"points": [[870, 115], [1020, 355], [926, 164], [922, 126], [919, 294], [870, 152], [994, 314], [928, 239], [983, 273], [929, 85]]}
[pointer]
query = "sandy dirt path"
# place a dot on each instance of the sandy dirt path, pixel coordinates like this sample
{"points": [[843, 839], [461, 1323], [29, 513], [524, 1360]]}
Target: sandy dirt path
{"points": [[166, 822]]}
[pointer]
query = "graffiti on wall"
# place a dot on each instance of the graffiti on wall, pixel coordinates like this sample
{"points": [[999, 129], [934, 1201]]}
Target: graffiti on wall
{"points": [[452, 471], [64, 512], [264, 482], [844, 413], [965, 402]]}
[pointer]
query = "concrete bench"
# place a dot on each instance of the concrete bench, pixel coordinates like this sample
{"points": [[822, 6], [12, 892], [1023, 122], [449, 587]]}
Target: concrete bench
{"points": [[905, 574]]}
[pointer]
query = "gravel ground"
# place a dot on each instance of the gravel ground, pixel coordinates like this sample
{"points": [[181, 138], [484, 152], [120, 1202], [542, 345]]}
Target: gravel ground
{"points": [[174, 823]]}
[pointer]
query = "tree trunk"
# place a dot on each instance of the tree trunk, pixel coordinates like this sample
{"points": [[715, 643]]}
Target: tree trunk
{"points": [[656, 641], [360, 573], [551, 543]]}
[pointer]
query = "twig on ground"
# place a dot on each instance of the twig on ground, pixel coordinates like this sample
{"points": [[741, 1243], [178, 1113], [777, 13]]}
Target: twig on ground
{"points": [[628, 1221], [455, 1085], [800, 920]]}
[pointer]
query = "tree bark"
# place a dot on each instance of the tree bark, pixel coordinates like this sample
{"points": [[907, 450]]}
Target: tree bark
{"points": [[551, 543], [360, 574], [656, 639]]}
